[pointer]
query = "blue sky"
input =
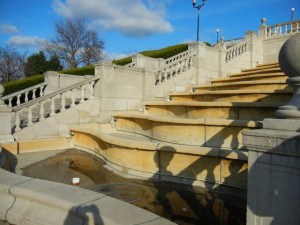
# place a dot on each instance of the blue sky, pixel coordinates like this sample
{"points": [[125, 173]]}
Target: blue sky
{"points": [[129, 26]]}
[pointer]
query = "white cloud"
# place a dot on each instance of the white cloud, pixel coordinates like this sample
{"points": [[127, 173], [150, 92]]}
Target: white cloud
{"points": [[25, 41], [130, 17], [7, 28]]}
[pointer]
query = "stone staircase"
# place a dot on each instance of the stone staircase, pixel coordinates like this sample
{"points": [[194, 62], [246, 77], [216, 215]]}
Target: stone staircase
{"points": [[201, 128]]}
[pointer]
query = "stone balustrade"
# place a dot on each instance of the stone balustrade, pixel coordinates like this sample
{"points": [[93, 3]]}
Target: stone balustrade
{"points": [[237, 50], [175, 65], [25, 95], [77, 93], [282, 29]]}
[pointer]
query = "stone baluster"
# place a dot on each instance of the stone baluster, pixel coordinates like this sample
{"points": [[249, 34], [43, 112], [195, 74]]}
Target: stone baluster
{"points": [[82, 94], [41, 91], [63, 102], [10, 102], [73, 98], [29, 116], [18, 99], [33, 94], [92, 89], [26, 96], [42, 111], [18, 121], [178, 70], [52, 106]]}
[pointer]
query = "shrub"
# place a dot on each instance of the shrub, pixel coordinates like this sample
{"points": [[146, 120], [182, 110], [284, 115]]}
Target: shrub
{"points": [[19, 85]]}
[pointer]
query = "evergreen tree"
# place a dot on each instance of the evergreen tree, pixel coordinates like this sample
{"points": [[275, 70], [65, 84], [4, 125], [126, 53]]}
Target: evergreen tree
{"points": [[54, 64], [36, 64]]}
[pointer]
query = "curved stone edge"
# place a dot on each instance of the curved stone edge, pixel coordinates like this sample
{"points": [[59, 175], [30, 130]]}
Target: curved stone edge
{"points": [[32, 201]]}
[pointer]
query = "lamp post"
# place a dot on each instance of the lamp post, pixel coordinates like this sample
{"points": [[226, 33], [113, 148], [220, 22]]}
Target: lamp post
{"points": [[218, 30], [194, 2], [292, 14]]}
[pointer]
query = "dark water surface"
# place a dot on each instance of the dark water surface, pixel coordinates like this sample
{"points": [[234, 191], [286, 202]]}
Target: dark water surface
{"points": [[182, 204]]}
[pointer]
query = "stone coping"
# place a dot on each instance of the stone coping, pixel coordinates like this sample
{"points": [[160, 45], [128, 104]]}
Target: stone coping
{"points": [[201, 121], [214, 104], [44, 202], [134, 142]]}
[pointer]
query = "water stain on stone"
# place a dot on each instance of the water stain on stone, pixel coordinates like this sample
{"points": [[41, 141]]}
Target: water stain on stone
{"points": [[182, 204]]}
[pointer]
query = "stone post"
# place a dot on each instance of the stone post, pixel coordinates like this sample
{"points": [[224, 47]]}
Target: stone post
{"points": [[262, 30], [5, 118], [274, 155]]}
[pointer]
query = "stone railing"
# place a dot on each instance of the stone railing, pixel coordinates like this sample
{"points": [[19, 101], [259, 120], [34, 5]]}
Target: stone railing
{"points": [[77, 93], [130, 65], [24, 95], [224, 44], [175, 65], [237, 50], [282, 29]]}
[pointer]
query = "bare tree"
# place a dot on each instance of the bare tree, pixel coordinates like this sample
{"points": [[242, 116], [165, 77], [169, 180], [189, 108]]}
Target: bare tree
{"points": [[75, 43], [11, 64]]}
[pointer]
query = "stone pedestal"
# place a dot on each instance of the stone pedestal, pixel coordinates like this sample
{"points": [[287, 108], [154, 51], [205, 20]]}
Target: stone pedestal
{"points": [[274, 173]]}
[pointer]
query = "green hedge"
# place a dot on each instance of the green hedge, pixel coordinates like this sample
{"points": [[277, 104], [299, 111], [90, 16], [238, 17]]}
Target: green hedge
{"points": [[86, 70], [19, 85]]}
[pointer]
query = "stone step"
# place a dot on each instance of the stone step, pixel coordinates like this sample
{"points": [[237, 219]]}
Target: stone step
{"points": [[256, 72], [217, 110], [222, 133], [244, 85], [234, 96], [252, 77], [262, 66]]}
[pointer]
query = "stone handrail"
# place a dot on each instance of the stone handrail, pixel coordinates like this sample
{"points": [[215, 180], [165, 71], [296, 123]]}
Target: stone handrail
{"points": [[175, 65], [86, 92], [282, 29], [237, 50], [23, 96]]}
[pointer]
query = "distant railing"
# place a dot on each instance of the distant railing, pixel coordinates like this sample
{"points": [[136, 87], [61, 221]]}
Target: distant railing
{"points": [[130, 65], [228, 43], [86, 91], [237, 50], [283, 29], [24, 95], [175, 65]]}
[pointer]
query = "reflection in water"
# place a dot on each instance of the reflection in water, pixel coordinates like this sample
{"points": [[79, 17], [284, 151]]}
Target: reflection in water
{"points": [[182, 204]]}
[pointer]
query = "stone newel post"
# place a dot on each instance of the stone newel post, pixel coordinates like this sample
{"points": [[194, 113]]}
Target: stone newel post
{"points": [[274, 154], [5, 120]]}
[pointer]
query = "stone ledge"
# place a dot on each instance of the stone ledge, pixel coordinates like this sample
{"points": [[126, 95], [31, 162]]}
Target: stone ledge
{"points": [[133, 142], [43, 202]]}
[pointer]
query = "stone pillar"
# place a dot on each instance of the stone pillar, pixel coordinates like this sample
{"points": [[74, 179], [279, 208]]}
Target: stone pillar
{"points": [[199, 61], [5, 118], [274, 155]]}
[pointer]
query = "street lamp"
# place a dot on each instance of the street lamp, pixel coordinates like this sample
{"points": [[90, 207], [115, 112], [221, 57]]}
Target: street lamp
{"points": [[218, 30], [292, 14], [194, 2]]}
